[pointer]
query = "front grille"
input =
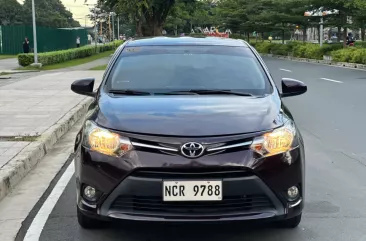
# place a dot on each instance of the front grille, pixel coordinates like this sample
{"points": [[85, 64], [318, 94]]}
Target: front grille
{"points": [[189, 173], [172, 145], [155, 206]]}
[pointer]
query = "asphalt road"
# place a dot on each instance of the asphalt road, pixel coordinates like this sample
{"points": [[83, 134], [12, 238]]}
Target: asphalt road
{"points": [[331, 117]]}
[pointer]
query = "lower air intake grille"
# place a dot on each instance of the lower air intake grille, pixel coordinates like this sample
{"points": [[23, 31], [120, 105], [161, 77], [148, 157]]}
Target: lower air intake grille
{"points": [[155, 205]]}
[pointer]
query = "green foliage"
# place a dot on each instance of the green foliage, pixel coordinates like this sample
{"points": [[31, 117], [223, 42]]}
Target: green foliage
{"points": [[149, 15], [296, 49], [25, 59], [197, 35], [265, 47], [238, 36], [313, 51], [299, 50], [262, 15], [100, 67], [352, 55], [50, 13], [10, 12], [55, 57]]}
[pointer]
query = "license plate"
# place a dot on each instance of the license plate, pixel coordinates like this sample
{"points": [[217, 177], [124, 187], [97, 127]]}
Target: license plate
{"points": [[192, 190]]}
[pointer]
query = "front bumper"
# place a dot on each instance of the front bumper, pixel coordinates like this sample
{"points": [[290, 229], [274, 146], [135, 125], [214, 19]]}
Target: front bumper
{"points": [[141, 198], [256, 193]]}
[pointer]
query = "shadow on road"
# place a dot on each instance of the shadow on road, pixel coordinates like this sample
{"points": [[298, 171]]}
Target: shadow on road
{"points": [[192, 232]]}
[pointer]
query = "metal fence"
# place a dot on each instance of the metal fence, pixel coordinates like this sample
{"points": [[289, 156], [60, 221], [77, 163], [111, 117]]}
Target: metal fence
{"points": [[48, 39]]}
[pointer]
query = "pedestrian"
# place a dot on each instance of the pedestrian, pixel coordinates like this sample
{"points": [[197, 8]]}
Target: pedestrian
{"points": [[26, 45], [78, 42], [350, 40]]}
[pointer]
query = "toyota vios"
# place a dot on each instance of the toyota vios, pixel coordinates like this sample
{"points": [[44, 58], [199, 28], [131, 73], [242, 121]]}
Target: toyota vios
{"points": [[188, 129]]}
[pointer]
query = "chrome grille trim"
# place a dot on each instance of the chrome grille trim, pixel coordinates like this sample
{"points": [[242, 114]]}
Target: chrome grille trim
{"points": [[154, 147], [295, 204], [230, 146]]}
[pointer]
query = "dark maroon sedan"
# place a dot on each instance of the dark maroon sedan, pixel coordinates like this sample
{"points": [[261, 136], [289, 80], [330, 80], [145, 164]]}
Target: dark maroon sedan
{"points": [[189, 129]]}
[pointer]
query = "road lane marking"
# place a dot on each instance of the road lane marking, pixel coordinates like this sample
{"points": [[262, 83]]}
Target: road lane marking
{"points": [[35, 229], [332, 80], [286, 70]]}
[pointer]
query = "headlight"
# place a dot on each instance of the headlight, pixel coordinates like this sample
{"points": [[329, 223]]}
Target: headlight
{"points": [[104, 141], [278, 141]]}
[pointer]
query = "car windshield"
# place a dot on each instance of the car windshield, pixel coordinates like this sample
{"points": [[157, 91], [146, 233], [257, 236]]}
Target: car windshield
{"points": [[163, 69]]}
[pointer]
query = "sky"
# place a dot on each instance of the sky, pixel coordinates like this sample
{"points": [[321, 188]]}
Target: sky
{"points": [[78, 9]]}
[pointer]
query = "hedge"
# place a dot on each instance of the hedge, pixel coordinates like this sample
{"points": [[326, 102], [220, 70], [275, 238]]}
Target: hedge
{"points": [[314, 51], [56, 57], [299, 49], [296, 49], [351, 55]]}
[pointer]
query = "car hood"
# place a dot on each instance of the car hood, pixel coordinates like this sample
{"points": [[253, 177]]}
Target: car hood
{"points": [[189, 115]]}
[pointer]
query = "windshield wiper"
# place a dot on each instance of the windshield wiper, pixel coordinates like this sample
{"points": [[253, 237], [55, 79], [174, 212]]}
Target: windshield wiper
{"points": [[207, 92], [129, 92]]}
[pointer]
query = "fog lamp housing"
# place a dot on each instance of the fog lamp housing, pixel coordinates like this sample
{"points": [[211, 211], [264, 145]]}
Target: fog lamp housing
{"points": [[293, 193], [90, 194]]}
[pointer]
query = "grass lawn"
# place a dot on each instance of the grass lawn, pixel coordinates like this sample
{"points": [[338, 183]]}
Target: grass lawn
{"points": [[4, 73], [7, 56], [100, 67], [71, 63]]}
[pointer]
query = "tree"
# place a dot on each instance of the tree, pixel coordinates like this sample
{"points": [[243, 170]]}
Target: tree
{"points": [[149, 15], [10, 12], [178, 18], [263, 15], [360, 22], [346, 9], [49, 13], [185, 16]]}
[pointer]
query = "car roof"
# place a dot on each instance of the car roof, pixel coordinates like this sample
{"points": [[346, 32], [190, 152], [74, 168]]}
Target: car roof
{"points": [[171, 41]]}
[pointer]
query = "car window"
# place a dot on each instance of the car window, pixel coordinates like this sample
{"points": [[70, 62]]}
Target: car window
{"points": [[166, 68]]}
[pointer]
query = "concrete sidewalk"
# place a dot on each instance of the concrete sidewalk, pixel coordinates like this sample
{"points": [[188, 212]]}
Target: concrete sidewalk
{"points": [[34, 114], [6, 64]]}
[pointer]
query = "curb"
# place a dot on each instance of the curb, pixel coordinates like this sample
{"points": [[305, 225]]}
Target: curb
{"points": [[19, 71], [318, 61], [24, 71], [18, 167]]}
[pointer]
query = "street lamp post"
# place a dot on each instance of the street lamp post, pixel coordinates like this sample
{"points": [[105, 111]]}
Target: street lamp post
{"points": [[34, 33]]}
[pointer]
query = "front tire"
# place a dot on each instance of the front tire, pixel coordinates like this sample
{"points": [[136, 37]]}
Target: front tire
{"points": [[89, 223], [290, 223]]}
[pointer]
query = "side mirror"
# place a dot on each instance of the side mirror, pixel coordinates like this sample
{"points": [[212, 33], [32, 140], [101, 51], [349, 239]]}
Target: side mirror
{"points": [[292, 87], [84, 87]]}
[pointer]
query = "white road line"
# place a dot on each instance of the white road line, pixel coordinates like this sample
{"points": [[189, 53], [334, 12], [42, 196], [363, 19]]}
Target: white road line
{"points": [[35, 229], [286, 70], [332, 80]]}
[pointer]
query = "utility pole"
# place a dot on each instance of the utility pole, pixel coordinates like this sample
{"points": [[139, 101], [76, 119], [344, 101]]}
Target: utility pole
{"points": [[34, 33], [95, 33], [113, 27], [95, 9], [321, 32], [118, 27], [109, 23]]}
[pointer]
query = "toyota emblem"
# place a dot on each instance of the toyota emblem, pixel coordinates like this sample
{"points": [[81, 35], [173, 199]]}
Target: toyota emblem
{"points": [[192, 150]]}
